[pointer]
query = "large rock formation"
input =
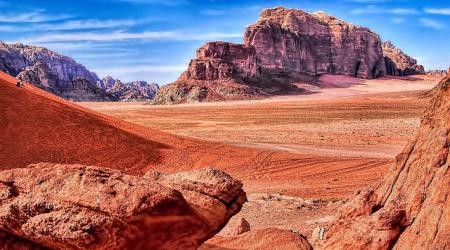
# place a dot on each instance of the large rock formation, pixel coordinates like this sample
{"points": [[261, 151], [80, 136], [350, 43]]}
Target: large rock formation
{"points": [[130, 91], [63, 76], [411, 208], [399, 63], [284, 46], [80, 207]]}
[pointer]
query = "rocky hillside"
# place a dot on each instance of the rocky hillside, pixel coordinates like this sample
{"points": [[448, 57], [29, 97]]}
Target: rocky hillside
{"points": [[130, 91], [399, 63], [411, 208], [63, 76]]}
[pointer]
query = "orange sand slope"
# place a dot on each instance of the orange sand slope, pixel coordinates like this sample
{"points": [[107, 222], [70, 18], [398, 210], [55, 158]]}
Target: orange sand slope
{"points": [[36, 126]]}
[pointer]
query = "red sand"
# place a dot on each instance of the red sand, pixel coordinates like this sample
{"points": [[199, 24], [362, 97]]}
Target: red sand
{"points": [[39, 127]]}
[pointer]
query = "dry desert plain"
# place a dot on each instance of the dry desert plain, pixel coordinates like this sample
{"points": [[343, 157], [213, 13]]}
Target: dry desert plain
{"points": [[315, 149]]}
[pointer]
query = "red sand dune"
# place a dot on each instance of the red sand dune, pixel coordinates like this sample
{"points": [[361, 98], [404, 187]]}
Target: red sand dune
{"points": [[36, 126]]}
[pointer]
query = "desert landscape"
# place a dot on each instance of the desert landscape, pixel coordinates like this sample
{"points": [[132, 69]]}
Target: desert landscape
{"points": [[311, 134]]}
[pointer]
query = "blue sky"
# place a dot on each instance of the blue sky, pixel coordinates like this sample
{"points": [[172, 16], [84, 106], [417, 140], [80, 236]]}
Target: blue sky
{"points": [[153, 40]]}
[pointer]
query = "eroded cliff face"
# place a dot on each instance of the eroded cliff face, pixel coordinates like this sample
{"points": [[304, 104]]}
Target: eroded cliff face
{"points": [[80, 207], [284, 47], [399, 63], [411, 208]]}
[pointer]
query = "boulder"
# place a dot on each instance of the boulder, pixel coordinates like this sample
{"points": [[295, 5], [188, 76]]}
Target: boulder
{"points": [[399, 63], [81, 207], [410, 209]]}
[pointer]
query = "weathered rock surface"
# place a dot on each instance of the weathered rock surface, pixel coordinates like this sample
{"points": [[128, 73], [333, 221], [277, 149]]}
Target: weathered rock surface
{"points": [[80, 207], [284, 46], [411, 208], [259, 239], [399, 63], [130, 91], [63, 76]]}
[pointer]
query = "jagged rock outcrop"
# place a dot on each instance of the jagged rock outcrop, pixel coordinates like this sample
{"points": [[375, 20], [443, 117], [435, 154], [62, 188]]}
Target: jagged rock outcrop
{"points": [[130, 91], [399, 63], [63, 76], [53, 72], [77, 89], [437, 73], [284, 46], [81, 207], [411, 208]]}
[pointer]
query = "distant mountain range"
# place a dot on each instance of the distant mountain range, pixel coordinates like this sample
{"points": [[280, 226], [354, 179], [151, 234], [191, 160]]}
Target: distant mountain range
{"points": [[63, 76]]}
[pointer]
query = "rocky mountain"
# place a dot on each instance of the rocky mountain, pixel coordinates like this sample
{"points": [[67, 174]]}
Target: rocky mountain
{"points": [[57, 206], [411, 207], [130, 91], [63, 76], [399, 63], [283, 47]]}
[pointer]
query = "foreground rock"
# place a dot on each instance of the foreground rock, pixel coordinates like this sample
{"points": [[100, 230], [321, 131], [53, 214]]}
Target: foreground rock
{"points": [[411, 208], [80, 207], [399, 63], [284, 46]]}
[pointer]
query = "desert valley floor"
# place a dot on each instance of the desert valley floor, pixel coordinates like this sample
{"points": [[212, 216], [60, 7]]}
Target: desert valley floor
{"points": [[309, 152]]}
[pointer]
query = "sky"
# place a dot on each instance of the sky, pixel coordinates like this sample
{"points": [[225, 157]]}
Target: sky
{"points": [[153, 40]]}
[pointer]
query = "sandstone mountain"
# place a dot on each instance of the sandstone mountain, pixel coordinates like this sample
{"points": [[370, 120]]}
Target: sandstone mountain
{"points": [[283, 47], [399, 63], [411, 208], [130, 91], [61, 75], [80, 207]]}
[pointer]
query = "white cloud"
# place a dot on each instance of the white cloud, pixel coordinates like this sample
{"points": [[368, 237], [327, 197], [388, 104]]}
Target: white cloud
{"points": [[31, 17], [122, 35], [432, 24], [443, 11], [373, 9], [85, 24]]}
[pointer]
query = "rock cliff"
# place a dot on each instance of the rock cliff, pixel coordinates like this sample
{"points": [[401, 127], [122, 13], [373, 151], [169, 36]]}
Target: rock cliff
{"points": [[63, 76], [399, 63], [80, 207], [283, 47], [411, 207]]}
